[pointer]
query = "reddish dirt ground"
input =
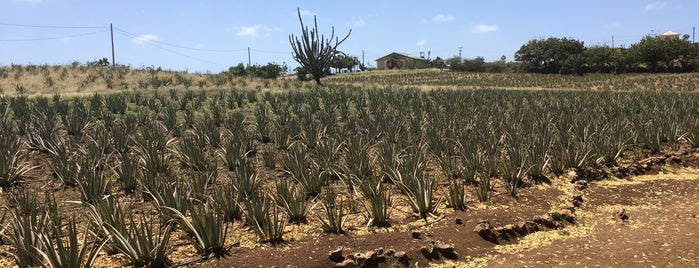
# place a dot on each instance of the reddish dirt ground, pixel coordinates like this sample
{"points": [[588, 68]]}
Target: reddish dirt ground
{"points": [[660, 231]]}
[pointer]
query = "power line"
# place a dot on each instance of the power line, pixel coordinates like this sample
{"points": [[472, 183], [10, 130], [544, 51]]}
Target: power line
{"points": [[151, 43], [52, 26], [182, 47], [270, 52], [51, 38]]}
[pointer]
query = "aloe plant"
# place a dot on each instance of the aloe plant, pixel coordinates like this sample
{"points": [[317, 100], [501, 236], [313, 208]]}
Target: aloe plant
{"points": [[296, 163], [225, 198], [206, 229], [379, 199], [59, 254], [264, 218], [27, 221], [333, 220], [143, 244], [292, 200], [13, 166]]}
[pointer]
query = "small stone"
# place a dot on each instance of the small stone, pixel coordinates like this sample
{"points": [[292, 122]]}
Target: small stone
{"points": [[506, 232], [359, 257], [346, 264], [336, 255], [459, 221], [545, 220], [444, 247], [379, 253], [621, 215], [573, 175], [390, 252], [577, 200], [580, 185], [429, 252], [567, 215], [371, 255], [416, 234], [485, 230], [401, 256]]}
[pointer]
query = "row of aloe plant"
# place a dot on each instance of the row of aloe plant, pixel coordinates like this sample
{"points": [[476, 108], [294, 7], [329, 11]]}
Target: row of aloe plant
{"points": [[197, 157]]}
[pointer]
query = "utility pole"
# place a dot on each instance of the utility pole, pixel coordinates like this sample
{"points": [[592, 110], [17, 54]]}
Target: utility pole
{"points": [[692, 34], [248, 56], [363, 57], [612, 41], [111, 31], [460, 54]]}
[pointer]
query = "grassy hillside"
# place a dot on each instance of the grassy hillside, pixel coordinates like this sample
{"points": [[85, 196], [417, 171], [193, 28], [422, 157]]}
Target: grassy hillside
{"points": [[82, 80]]}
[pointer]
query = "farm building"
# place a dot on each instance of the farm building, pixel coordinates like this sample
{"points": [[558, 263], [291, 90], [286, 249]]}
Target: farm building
{"points": [[670, 35], [401, 61]]}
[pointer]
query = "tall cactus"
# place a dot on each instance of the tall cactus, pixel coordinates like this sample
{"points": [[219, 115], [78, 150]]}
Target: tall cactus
{"points": [[313, 51]]}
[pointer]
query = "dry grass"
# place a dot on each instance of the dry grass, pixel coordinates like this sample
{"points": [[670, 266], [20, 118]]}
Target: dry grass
{"points": [[33, 80]]}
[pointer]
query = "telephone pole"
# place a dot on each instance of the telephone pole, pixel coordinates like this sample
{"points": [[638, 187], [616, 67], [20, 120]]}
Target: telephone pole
{"points": [[612, 41], [363, 57], [460, 54], [111, 31], [248, 56]]}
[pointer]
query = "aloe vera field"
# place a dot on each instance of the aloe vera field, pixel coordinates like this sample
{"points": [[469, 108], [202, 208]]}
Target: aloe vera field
{"points": [[151, 168]]}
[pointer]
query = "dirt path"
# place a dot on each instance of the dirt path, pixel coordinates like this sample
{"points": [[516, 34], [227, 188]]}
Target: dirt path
{"points": [[661, 230]]}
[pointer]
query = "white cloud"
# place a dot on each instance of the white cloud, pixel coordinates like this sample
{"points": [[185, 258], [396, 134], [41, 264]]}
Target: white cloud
{"points": [[485, 28], [655, 6], [421, 42], [139, 40], [253, 31], [359, 23], [442, 18]]}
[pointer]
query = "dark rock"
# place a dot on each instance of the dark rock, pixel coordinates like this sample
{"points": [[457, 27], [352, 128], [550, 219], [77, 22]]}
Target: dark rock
{"points": [[485, 230], [379, 253], [546, 220], [429, 252], [577, 200], [401, 256], [336, 255], [390, 252], [675, 160], [371, 255], [459, 221], [416, 234], [447, 250], [531, 226], [359, 257], [507, 231], [566, 215], [621, 215], [347, 264]]}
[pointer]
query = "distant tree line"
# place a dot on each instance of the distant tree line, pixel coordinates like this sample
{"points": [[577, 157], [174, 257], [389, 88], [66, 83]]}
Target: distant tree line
{"points": [[569, 56], [271, 70]]}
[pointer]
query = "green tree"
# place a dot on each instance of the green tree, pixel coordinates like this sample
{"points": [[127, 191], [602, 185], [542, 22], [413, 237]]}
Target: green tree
{"points": [[438, 63], [600, 59], [659, 53], [342, 61], [549, 55], [313, 51]]}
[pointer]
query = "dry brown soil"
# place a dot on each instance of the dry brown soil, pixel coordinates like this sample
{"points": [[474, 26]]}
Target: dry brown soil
{"points": [[661, 230]]}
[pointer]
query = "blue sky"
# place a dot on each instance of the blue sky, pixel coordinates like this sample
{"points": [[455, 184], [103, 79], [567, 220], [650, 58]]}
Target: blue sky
{"points": [[201, 36]]}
